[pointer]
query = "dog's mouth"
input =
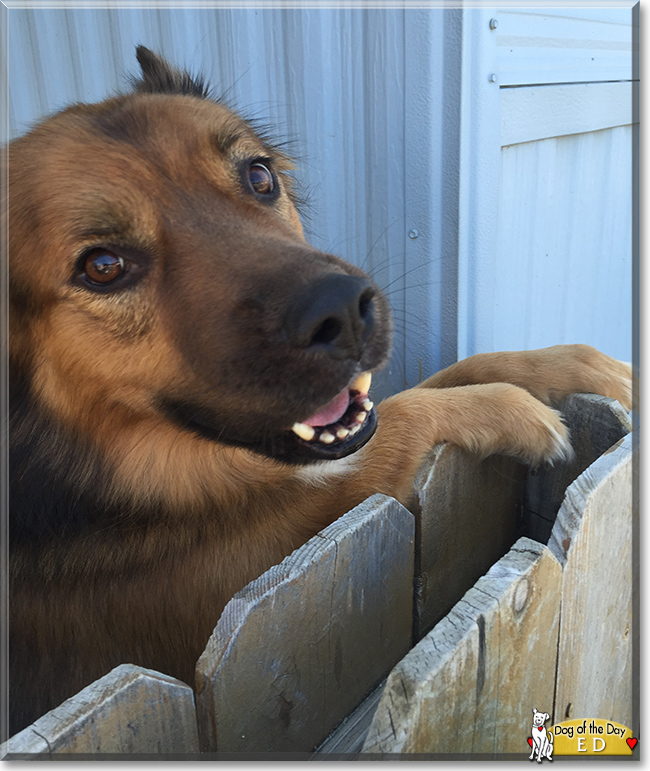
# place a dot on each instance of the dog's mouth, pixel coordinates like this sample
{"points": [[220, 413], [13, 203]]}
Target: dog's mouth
{"points": [[341, 426], [337, 429]]}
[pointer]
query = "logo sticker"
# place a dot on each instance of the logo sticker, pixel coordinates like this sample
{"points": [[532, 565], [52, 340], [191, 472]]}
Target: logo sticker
{"points": [[593, 737], [541, 742], [579, 738]]}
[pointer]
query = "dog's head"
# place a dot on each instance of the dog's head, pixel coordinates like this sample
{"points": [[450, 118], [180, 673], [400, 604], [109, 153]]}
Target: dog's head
{"points": [[158, 270], [539, 718]]}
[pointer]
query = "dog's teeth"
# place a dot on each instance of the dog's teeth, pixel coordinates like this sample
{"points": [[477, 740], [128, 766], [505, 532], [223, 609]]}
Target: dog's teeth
{"points": [[342, 433], [355, 430], [361, 417], [362, 383], [367, 405], [326, 438], [303, 431]]}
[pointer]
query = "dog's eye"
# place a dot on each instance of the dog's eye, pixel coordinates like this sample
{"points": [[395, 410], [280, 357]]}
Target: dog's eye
{"points": [[261, 179], [103, 267]]}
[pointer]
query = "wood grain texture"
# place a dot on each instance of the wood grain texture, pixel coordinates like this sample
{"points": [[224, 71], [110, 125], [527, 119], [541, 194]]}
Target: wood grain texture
{"points": [[592, 539], [466, 519], [595, 423], [349, 736], [299, 648], [129, 711], [470, 685]]}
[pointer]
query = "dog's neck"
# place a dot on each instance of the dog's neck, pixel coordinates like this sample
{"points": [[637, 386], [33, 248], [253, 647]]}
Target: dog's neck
{"points": [[146, 469]]}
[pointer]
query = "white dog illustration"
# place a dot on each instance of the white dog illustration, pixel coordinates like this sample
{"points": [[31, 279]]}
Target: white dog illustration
{"points": [[542, 739]]}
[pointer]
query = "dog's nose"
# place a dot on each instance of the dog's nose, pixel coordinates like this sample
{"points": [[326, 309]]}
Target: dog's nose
{"points": [[333, 314]]}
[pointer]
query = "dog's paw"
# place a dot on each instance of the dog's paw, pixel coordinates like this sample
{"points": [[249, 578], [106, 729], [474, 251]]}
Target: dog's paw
{"points": [[605, 376], [558, 448], [525, 428], [583, 369], [622, 384], [544, 439]]}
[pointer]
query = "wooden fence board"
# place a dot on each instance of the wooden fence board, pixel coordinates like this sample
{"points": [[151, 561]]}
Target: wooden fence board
{"points": [[470, 685], [595, 424], [467, 514], [130, 710], [592, 539], [349, 736], [299, 648]]}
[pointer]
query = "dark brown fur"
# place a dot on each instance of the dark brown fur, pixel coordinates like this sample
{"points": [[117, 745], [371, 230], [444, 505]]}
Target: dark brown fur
{"points": [[129, 530]]}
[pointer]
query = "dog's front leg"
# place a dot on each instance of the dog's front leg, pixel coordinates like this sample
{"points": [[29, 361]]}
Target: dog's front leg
{"points": [[483, 419], [550, 374]]}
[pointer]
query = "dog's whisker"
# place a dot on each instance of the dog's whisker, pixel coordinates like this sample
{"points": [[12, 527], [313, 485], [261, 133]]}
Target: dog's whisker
{"points": [[401, 277], [378, 239], [396, 292]]}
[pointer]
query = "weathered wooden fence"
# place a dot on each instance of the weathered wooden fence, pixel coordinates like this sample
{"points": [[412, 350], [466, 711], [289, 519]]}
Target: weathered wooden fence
{"points": [[434, 631]]}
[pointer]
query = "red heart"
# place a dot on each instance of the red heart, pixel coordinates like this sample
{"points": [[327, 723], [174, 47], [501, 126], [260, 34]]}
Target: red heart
{"points": [[540, 727], [632, 742], [530, 741]]}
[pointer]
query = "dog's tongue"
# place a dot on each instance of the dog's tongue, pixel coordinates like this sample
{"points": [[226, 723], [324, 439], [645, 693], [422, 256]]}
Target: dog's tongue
{"points": [[332, 411]]}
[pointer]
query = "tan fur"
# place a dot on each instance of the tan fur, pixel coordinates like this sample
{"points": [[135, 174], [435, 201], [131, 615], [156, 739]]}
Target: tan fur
{"points": [[149, 587]]}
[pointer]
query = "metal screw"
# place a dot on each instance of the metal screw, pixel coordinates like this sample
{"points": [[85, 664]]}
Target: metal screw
{"points": [[492, 78], [413, 233], [494, 23]]}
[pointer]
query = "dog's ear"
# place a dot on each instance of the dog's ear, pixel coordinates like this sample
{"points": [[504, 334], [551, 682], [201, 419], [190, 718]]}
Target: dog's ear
{"points": [[159, 77]]}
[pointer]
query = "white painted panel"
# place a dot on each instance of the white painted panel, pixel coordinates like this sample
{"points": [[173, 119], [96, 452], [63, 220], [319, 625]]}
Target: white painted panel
{"points": [[564, 267], [564, 45], [545, 227], [541, 112], [479, 173]]}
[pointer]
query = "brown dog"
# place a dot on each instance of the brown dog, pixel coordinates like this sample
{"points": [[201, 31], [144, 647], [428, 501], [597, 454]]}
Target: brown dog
{"points": [[187, 372]]}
